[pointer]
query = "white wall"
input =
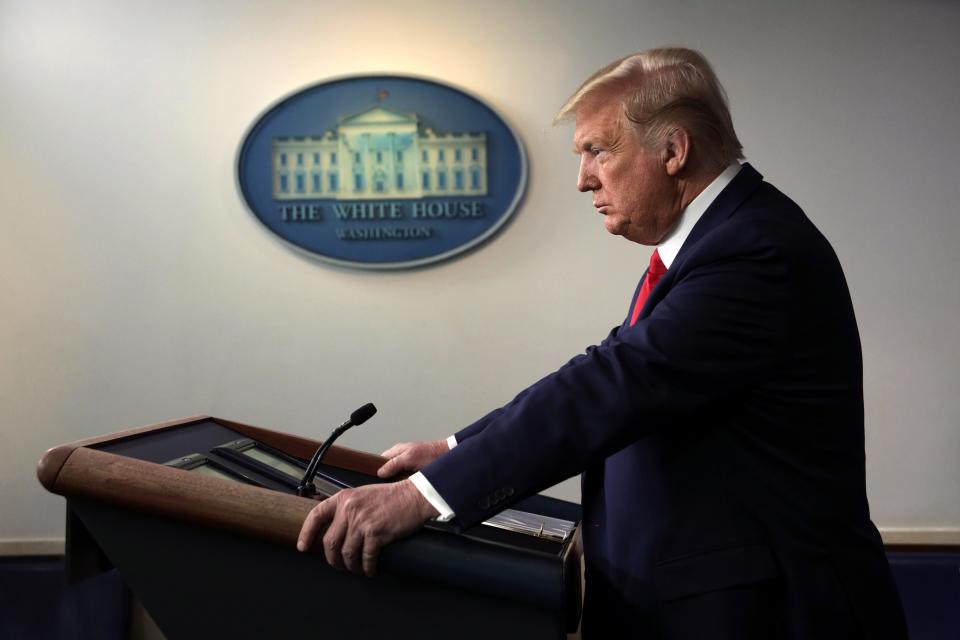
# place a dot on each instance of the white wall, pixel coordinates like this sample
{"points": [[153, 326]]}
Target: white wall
{"points": [[136, 287]]}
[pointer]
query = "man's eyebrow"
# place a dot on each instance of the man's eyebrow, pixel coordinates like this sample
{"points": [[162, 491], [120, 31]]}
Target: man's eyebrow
{"points": [[583, 145]]}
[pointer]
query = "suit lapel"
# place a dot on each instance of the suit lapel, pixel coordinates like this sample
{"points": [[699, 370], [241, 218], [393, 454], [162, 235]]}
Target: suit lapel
{"points": [[732, 196], [633, 300]]}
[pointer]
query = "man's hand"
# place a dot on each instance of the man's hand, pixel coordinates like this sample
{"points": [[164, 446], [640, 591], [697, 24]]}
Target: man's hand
{"points": [[411, 456], [359, 522]]}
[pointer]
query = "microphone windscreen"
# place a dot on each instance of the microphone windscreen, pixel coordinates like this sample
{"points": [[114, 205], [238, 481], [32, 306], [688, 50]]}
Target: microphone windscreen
{"points": [[363, 414]]}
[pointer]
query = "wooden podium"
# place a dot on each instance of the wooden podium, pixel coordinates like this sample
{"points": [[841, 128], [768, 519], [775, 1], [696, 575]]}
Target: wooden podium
{"points": [[212, 554]]}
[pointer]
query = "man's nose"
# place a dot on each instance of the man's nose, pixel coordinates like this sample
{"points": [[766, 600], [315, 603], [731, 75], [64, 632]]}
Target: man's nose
{"points": [[586, 179]]}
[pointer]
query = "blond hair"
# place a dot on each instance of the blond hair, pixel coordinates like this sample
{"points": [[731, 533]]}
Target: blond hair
{"points": [[665, 88]]}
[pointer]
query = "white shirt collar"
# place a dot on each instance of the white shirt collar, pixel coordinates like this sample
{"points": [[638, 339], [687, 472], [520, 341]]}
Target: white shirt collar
{"points": [[670, 247]]}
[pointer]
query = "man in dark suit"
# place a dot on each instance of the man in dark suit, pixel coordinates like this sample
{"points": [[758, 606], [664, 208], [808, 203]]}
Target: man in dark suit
{"points": [[719, 429]]}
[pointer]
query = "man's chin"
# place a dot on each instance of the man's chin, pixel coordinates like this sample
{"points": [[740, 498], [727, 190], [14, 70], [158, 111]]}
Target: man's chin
{"points": [[615, 227]]}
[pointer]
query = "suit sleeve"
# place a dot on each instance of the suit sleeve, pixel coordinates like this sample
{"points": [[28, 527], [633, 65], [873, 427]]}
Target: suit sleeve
{"points": [[717, 325]]}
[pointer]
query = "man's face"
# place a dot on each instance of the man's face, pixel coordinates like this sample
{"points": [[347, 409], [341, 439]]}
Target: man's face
{"points": [[630, 184]]}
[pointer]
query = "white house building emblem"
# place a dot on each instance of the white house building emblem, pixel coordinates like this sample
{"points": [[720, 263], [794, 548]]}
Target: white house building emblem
{"points": [[382, 171], [380, 153]]}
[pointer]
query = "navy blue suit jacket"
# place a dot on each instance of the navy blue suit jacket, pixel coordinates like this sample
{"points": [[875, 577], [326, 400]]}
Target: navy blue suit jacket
{"points": [[720, 438]]}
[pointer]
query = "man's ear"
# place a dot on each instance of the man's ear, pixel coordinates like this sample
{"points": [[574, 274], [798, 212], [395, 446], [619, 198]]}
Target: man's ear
{"points": [[676, 151]]}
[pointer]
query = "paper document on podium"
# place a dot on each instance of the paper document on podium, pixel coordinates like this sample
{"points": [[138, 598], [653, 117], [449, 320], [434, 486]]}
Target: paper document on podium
{"points": [[532, 524]]}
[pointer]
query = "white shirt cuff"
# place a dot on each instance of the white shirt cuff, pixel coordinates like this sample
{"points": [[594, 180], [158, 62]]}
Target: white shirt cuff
{"points": [[427, 491], [452, 441]]}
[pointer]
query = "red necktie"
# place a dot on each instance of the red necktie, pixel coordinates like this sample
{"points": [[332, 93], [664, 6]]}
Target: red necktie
{"points": [[654, 273]]}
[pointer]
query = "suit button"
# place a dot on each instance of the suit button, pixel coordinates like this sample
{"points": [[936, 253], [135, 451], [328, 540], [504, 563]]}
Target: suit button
{"points": [[508, 491], [499, 495], [484, 502]]}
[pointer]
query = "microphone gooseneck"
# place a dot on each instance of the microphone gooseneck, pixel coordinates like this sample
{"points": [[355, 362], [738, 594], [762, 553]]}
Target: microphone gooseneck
{"points": [[358, 417]]}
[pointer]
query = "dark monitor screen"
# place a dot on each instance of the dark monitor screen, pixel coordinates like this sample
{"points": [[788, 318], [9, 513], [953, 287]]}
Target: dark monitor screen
{"points": [[274, 461], [208, 470]]}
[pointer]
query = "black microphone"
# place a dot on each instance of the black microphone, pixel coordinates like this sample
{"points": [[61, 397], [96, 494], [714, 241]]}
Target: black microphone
{"points": [[358, 417]]}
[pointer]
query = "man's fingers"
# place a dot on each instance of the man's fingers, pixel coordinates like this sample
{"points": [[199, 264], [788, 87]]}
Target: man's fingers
{"points": [[411, 456], [333, 542], [391, 467], [318, 518], [395, 450], [351, 550], [371, 552], [396, 454]]}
